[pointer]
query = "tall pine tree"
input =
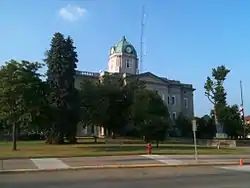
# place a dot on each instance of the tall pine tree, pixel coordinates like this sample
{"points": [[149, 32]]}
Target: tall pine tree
{"points": [[73, 101], [61, 60]]}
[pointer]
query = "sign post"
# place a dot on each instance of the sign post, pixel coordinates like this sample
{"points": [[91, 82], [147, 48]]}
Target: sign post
{"points": [[194, 127]]}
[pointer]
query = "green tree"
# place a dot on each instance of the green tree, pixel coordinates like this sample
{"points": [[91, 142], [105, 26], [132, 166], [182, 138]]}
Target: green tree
{"points": [[216, 94], [184, 125], [42, 122], [150, 115], [206, 127], [1, 126], [61, 60], [116, 103], [233, 122], [93, 104], [20, 94], [73, 99], [107, 103]]}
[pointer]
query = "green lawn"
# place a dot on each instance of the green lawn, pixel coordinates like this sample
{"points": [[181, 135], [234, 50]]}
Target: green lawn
{"points": [[39, 149]]}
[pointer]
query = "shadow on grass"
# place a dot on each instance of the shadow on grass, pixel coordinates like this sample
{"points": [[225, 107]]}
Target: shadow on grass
{"points": [[89, 143], [126, 148]]}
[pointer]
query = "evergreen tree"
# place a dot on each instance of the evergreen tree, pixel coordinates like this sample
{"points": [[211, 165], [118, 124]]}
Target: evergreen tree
{"points": [[61, 59], [73, 101]]}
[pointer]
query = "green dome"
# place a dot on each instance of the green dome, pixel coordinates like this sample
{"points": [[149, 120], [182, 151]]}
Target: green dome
{"points": [[123, 47]]}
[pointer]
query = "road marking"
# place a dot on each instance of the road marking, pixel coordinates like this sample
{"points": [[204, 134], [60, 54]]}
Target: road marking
{"points": [[245, 168], [163, 159], [49, 163]]}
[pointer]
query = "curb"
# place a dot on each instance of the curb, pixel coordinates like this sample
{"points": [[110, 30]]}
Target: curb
{"points": [[125, 154], [18, 171]]}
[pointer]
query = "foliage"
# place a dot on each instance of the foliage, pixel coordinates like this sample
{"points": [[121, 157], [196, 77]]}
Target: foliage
{"points": [[93, 104], [230, 117], [1, 126], [184, 125], [215, 92], [232, 121], [21, 94], [107, 103], [205, 127], [121, 106], [150, 115], [61, 59], [113, 91]]}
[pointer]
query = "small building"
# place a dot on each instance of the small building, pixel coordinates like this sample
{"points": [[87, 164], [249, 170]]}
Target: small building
{"points": [[247, 120], [123, 60]]}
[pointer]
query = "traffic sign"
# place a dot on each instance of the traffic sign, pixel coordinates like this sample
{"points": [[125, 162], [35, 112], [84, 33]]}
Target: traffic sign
{"points": [[194, 125]]}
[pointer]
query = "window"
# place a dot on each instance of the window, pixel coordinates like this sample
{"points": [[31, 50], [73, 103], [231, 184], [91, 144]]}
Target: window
{"points": [[168, 99], [117, 63], [174, 115], [127, 63], [186, 102], [163, 97], [173, 100]]}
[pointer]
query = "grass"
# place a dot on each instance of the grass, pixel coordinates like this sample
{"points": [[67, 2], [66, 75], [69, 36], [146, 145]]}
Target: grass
{"points": [[39, 149]]}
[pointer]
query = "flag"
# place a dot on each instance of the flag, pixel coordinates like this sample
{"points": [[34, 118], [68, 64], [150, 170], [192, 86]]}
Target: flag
{"points": [[241, 111]]}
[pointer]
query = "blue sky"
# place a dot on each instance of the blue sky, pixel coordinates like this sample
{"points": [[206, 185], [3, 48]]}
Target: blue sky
{"points": [[184, 39]]}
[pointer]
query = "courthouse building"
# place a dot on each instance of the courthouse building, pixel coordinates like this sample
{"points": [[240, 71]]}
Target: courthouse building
{"points": [[123, 60]]}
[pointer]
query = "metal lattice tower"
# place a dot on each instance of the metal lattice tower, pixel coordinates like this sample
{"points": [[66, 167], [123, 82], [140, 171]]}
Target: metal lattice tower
{"points": [[142, 39]]}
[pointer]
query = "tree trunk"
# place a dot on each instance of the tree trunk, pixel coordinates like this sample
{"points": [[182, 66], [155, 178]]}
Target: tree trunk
{"points": [[113, 135], [216, 119], [217, 125], [157, 143], [72, 140], [71, 134], [95, 139], [14, 148], [54, 137]]}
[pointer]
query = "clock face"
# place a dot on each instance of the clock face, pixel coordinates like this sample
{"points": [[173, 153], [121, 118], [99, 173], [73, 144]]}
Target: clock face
{"points": [[129, 49]]}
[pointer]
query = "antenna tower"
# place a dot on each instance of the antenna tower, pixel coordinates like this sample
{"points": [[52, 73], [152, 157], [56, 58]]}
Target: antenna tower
{"points": [[142, 38]]}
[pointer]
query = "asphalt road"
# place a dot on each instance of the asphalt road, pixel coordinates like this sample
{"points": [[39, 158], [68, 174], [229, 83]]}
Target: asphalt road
{"points": [[191, 177]]}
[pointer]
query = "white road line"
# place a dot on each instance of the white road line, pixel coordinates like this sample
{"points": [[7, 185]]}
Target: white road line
{"points": [[49, 163], [245, 168], [163, 159]]}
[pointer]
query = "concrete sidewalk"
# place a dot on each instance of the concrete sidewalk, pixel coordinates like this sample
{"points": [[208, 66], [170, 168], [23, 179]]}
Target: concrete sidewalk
{"points": [[52, 163], [117, 161]]}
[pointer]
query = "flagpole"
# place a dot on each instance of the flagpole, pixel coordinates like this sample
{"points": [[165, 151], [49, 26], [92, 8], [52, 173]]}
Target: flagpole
{"points": [[242, 106]]}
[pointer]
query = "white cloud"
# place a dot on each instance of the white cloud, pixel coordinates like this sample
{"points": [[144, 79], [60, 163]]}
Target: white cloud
{"points": [[71, 13]]}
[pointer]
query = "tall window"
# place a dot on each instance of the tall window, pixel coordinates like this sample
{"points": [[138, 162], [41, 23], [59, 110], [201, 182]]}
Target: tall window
{"points": [[117, 63], [173, 100], [174, 115], [127, 63], [163, 97], [186, 102], [168, 100]]}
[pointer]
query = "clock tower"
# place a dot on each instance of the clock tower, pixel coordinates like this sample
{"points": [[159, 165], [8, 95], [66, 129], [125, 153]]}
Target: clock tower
{"points": [[123, 58]]}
